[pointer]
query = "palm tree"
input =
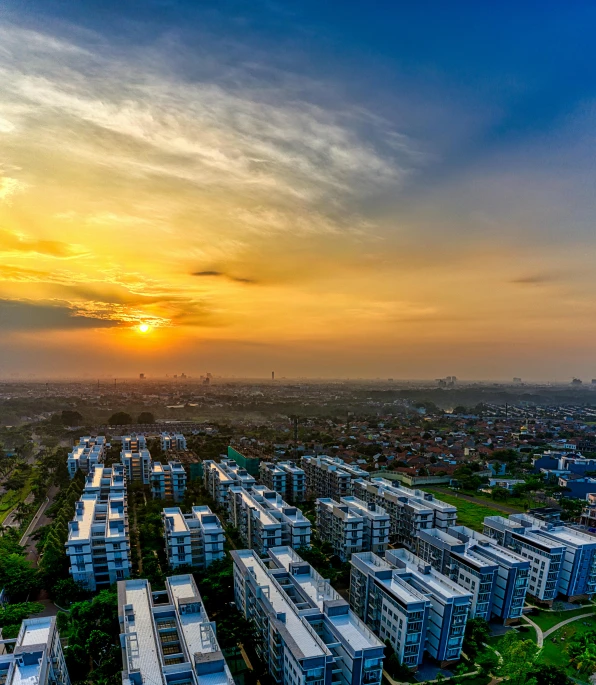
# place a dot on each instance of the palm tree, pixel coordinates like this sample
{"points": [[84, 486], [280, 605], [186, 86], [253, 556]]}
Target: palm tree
{"points": [[585, 661]]}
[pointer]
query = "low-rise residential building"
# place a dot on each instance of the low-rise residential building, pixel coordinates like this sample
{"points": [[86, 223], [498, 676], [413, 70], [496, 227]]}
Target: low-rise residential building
{"points": [[295, 482], [410, 511], [173, 441], [195, 539], [377, 524], [296, 529], [307, 633], [406, 601], [104, 481], [84, 456], [272, 476], [340, 526], [137, 465], [35, 657], [330, 476], [166, 636], [98, 543], [168, 481], [133, 443], [218, 477]]}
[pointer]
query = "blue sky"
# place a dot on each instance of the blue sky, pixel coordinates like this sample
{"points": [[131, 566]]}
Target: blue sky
{"points": [[416, 179]]}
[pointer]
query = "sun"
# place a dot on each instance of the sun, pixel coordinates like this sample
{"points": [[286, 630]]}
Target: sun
{"points": [[144, 328]]}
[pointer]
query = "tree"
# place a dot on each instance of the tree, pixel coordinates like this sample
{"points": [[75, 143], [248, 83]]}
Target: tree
{"points": [[499, 494], [120, 418], [477, 633], [145, 417], [518, 659], [487, 662], [12, 615], [17, 575], [547, 674], [66, 591], [71, 418]]}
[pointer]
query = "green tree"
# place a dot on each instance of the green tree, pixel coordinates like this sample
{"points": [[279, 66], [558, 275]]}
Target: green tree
{"points": [[17, 575], [477, 633], [487, 662], [548, 674], [120, 418], [145, 417], [519, 658], [71, 418]]}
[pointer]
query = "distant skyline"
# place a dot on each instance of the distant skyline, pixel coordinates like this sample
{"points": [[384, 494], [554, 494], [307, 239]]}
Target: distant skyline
{"points": [[328, 189]]}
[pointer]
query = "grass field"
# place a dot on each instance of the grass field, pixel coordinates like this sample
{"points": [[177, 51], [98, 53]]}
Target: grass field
{"points": [[469, 514], [548, 619], [10, 499]]}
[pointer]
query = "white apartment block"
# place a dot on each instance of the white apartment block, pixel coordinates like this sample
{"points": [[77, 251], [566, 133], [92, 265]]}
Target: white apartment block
{"points": [[218, 477], [406, 601], [35, 657], [274, 477], [173, 441], [86, 454], [307, 633], [258, 527], [295, 482], [98, 543], [104, 481], [133, 443], [137, 465], [340, 526], [296, 529], [409, 510], [168, 481], [377, 524], [330, 476], [195, 539], [562, 559], [166, 636]]}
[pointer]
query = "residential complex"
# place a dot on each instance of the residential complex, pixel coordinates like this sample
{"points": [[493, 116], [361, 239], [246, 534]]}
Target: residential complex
{"points": [[167, 637], [173, 441], [218, 477], [410, 511], [496, 577], [405, 600], [137, 465], [133, 443], [104, 481], [35, 657], [307, 634], [86, 454], [285, 478], [168, 481], [195, 539], [562, 559], [98, 543], [274, 477], [330, 476]]}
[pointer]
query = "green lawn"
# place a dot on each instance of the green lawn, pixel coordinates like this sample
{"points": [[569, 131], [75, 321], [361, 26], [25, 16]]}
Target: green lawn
{"points": [[555, 653], [10, 499], [548, 619], [469, 514]]}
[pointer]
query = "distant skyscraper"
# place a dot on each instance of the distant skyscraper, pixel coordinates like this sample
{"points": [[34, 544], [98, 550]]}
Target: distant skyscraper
{"points": [[273, 375]]}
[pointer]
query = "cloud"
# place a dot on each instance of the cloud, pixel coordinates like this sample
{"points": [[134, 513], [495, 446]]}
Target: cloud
{"points": [[18, 243], [534, 279], [9, 187], [25, 316], [221, 274]]}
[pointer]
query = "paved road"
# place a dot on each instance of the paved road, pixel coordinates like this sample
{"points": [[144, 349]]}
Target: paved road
{"points": [[477, 500], [40, 519]]}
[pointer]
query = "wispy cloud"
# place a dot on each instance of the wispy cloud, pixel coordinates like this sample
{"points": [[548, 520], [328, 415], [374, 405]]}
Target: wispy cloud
{"points": [[534, 279], [222, 274], [11, 242], [9, 187]]}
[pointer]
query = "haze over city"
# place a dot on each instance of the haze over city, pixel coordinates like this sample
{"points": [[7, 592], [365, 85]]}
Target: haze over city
{"points": [[325, 189]]}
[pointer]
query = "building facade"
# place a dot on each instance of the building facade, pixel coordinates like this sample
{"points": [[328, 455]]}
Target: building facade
{"points": [[330, 476], [36, 656], [137, 465], [168, 481], [195, 539], [89, 452], [295, 482], [166, 636], [173, 441]]}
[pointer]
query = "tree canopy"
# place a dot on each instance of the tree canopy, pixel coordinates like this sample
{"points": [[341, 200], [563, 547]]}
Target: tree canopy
{"points": [[120, 418], [145, 417]]}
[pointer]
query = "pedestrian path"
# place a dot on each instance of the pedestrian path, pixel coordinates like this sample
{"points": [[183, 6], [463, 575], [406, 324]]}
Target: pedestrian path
{"points": [[541, 635]]}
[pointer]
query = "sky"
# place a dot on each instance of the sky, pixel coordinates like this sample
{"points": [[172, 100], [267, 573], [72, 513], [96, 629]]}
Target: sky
{"points": [[324, 189]]}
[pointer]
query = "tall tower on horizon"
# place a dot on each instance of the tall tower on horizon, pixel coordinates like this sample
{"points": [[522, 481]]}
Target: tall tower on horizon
{"points": [[273, 375]]}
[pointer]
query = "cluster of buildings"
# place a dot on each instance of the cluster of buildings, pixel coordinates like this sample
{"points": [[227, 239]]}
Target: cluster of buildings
{"points": [[98, 543], [330, 476], [307, 633], [195, 539]]}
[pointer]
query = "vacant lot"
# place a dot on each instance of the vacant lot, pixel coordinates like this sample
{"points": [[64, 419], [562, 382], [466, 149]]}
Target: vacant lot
{"points": [[469, 514]]}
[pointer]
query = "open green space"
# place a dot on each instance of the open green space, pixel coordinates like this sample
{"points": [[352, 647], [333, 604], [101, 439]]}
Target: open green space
{"points": [[547, 619], [518, 503], [13, 498], [469, 514]]}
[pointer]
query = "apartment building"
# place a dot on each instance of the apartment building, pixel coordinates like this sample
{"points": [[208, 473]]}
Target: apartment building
{"points": [[98, 543], [295, 482], [195, 539], [35, 656], [256, 525], [218, 477], [104, 481], [296, 529], [406, 601], [410, 511], [377, 524], [173, 441], [273, 477], [307, 633], [137, 465], [513, 573], [134, 443], [330, 476], [168, 481], [166, 636], [562, 559], [89, 452], [341, 526]]}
